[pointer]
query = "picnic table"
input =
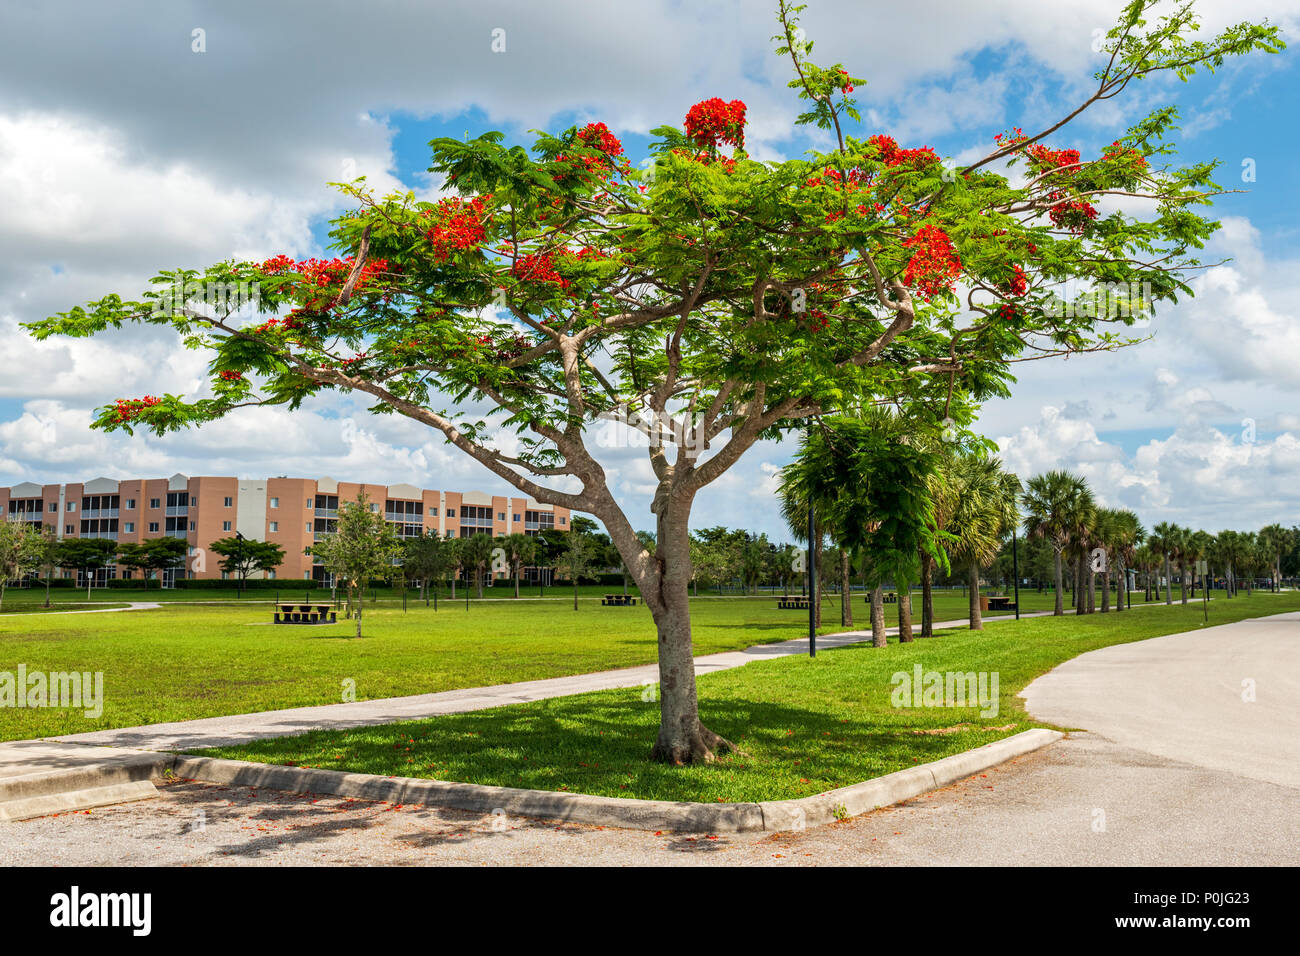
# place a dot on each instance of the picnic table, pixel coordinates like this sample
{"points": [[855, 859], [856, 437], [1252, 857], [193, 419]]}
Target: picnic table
{"points": [[618, 600], [792, 604], [1001, 604], [890, 598], [305, 614]]}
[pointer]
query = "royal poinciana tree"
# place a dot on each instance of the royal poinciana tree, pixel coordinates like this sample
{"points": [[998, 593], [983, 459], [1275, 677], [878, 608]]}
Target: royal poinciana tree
{"points": [[705, 299]]}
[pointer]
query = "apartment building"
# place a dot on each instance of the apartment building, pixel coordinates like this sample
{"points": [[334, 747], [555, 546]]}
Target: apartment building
{"points": [[290, 512]]}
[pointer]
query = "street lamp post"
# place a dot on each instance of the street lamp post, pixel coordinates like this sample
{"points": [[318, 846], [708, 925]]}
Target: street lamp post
{"points": [[812, 583], [1015, 570]]}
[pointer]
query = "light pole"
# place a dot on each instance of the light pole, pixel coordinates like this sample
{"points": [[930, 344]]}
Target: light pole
{"points": [[812, 583]]}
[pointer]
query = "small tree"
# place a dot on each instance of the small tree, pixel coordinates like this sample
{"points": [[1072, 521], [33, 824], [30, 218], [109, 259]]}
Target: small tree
{"points": [[362, 546], [21, 549], [427, 558], [49, 557], [152, 556], [86, 555], [244, 556], [577, 559]]}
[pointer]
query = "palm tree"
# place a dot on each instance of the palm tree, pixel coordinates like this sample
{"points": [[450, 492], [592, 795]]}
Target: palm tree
{"points": [[1163, 540], [476, 553], [1128, 533], [1051, 502], [520, 549], [1276, 540], [1146, 558], [985, 513], [1198, 549]]}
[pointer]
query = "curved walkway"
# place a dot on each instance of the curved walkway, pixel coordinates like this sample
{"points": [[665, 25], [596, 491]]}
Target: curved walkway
{"points": [[1223, 698], [130, 606]]}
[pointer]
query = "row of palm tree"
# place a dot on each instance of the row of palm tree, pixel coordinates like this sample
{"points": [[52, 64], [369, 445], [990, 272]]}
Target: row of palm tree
{"points": [[975, 506]]}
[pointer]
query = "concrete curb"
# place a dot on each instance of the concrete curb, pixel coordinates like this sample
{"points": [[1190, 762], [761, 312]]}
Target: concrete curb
{"points": [[620, 811]]}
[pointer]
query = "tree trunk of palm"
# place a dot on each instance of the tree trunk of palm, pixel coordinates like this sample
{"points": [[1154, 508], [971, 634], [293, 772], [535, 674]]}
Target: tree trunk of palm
{"points": [[1183, 580], [453, 585], [47, 590], [478, 581], [1080, 606], [905, 614], [1092, 590], [1169, 583], [976, 618], [846, 591], [927, 596], [1060, 586], [358, 617], [516, 579], [878, 637]]}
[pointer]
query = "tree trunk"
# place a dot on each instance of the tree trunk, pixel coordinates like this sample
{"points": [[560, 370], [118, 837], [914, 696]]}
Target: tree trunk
{"points": [[359, 603], [927, 596], [905, 615], [1092, 588], [846, 592], [1060, 586], [478, 581], [878, 635], [682, 738], [575, 592], [47, 590], [1105, 589], [453, 585], [516, 579], [1169, 583], [1183, 581], [976, 618]]}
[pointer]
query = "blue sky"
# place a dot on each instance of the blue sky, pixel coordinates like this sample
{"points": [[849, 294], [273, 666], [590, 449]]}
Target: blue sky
{"points": [[123, 150]]}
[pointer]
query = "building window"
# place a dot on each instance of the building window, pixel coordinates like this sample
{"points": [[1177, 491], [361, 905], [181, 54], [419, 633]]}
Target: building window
{"points": [[153, 527], [155, 502], [130, 504], [308, 526], [129, 527], [451, 512], [72, 506], [275, 526], [229, 502], [69, 529], [275, 502], [191, 525], [451, 532], [501, 516], [310, 503], [270, 575], [517, 518], [561, 521], [225, 526]]}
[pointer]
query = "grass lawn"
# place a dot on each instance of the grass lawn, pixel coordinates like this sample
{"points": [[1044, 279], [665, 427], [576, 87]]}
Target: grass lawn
{"points": [[806, 725], [189, 660]]}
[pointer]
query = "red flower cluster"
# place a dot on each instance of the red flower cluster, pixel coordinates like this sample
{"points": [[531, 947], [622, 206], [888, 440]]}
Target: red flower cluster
{"points": [[289, 324], [1073, 215], [934, 265], [1015, 136], [1048, 158], [892, 156], [539, 267], [712, 122], [229, 376], [460, 226], [1007, 312], [1128, 154], [1017, 285], [598, 136], [846, 86], [129, 409]]}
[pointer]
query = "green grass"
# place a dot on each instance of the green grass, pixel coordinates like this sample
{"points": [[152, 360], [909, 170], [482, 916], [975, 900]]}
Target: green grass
{"points": [[805, 725], [190, 660]]}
